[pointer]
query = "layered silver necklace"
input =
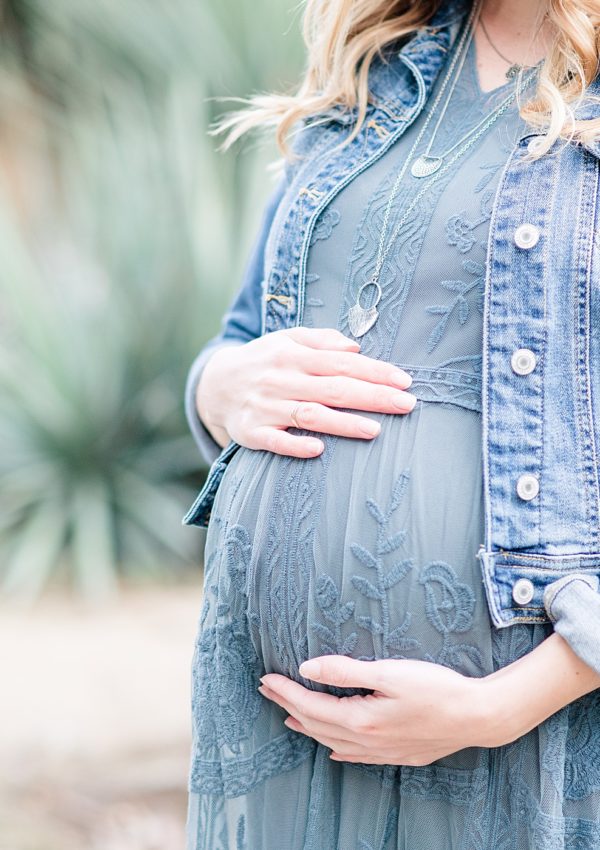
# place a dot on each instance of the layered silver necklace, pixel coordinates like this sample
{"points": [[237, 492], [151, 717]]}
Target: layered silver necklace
{"points": [[361, 319], [514, 67]]}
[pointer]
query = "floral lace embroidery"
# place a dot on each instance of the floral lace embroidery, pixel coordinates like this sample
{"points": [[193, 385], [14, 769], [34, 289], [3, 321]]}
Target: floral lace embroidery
{"points": [[325, 224], [459, 228], [288, 568], [226, 671], [461, 233], [237, 550], [225, 698], [553, 736], [394, 640], [236, 776], [449, 607], [337, 614], [582, 757], [460, 304], [449, 603]]}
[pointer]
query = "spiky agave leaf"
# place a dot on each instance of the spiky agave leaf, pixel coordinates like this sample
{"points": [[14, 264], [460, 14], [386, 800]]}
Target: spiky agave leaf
{"points": [[116, 269]]}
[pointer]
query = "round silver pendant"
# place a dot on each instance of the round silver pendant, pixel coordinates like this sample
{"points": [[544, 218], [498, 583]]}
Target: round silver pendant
{"points": [[424, 166]]}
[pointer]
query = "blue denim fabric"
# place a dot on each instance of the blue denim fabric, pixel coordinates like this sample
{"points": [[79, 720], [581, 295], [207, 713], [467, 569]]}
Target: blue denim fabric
{"points": [[241, 324], [545, 298]]}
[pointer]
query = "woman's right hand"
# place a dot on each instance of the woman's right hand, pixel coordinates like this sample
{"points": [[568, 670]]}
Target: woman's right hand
{"points": [[252, 393]]}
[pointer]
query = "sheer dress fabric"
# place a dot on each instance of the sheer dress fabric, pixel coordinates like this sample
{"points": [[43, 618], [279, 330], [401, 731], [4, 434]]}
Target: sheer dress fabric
{"points": [[370, 551]]}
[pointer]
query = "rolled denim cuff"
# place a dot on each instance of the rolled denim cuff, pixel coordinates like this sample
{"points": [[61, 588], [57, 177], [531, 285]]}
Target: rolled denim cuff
{"points": [[573, 606], [208, 446]]}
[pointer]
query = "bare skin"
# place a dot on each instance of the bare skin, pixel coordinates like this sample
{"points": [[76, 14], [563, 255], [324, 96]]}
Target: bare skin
{"points": [[520, 32], [248, 393], [418, 711]]}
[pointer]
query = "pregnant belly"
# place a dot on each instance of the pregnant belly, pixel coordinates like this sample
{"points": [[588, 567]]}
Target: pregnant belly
{"points": [[368, 550]]}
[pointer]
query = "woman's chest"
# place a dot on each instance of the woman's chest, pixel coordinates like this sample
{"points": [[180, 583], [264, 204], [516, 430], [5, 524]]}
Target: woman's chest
{"points": [[540, 373]]}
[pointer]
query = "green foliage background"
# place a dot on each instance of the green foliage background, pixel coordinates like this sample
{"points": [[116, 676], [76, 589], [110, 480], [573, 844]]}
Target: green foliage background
{"points": [[123, 233]]}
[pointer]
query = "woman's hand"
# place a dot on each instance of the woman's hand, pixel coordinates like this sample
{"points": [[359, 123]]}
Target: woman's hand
{"points": [[253, 393], [419, 711]]}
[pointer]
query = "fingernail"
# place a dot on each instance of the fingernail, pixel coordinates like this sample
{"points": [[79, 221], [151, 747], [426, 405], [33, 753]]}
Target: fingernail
{"points": [[310, 669], [315, 446], [370, 428], [401, 379], [404, 401]]}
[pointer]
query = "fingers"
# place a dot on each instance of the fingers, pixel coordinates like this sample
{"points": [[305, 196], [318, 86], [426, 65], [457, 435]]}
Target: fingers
{"points": [[351, 364], [317, 417], [337, 391], [327, 338], [279, 442], [300, 701], [345, 672], [319, 374], [339, 745], [312, 727]]}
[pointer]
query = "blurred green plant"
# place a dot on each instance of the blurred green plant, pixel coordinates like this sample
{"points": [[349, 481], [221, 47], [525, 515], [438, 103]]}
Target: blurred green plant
{"points": [[122, 236]]}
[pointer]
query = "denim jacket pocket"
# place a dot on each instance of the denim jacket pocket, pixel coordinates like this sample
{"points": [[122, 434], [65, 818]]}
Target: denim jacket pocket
{"points": [[199, 512]]}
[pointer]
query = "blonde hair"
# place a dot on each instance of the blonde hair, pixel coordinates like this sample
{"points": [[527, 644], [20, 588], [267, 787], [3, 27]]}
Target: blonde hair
{"points": [[343, 36]]}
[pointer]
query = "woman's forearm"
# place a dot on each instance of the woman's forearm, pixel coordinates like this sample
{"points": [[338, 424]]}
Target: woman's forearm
{"points": [[523, 694]]}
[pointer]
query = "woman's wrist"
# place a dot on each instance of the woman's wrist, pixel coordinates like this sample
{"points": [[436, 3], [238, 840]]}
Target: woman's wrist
{"points": [[511, 701], [204, 396]]}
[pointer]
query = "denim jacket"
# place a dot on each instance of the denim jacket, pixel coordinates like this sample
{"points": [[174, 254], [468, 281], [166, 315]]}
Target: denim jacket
{"points": [[541, 357]]}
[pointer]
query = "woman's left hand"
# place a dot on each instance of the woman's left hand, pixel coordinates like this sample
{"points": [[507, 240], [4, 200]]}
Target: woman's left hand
{"points": [[420, 711], [417, 713]]}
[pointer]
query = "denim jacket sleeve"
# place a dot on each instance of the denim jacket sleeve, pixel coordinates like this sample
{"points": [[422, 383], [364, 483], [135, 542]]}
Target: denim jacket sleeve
{"points": [[573, 606], [241, 323]]}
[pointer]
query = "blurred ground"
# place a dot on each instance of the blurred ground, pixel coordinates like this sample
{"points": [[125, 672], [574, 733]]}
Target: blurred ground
{"points": [[94, 728]]}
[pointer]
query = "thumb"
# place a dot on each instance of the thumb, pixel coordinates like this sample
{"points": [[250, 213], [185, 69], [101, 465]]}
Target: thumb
{"points": [[343, 671]]}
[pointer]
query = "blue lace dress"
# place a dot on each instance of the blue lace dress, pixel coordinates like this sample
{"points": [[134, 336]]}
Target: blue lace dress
{"points": [[370, 551]]}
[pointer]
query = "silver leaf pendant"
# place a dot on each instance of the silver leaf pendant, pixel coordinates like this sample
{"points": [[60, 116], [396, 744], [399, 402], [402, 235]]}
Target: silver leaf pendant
{"points": [[424, 166], [361, 319]]}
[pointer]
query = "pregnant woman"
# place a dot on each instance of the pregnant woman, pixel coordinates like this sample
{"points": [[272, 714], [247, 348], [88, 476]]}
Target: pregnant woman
{"points": [[399, 644]]}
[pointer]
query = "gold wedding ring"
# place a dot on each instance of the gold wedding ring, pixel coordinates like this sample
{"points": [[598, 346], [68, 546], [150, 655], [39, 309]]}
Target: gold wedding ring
{"points": [[294, 414]]}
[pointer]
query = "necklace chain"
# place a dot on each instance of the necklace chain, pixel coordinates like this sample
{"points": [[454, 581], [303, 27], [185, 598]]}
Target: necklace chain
{"points": [[513, 65], [466, 141], [494, 48], [461, 56], [467, 32], [467, 144], [360, 318]]}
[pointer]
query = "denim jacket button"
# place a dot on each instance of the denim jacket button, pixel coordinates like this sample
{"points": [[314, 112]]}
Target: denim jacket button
{"points": [[523, 591], [527, 236], [523, 361], [528, 486]]}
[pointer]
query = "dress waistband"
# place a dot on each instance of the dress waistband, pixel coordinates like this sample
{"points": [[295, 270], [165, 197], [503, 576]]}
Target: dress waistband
{"points": [[445, 385]]}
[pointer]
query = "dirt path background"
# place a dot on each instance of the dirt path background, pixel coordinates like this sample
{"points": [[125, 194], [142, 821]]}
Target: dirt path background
{"points": [[94, 722]]}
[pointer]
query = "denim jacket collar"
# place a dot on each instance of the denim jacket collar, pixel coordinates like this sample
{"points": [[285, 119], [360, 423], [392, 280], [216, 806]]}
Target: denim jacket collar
{"points": [[424, 55]]}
